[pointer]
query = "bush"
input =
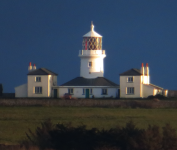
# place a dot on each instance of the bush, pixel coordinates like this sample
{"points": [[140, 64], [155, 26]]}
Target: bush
{"points": [[67, 137], [158, 96], [1, 89]]}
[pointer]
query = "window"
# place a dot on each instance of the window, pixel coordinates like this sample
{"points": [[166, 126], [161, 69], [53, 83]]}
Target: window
{"points": [[130, 90], [70, 91], [90, 91], [90, 64], [104, 91], [38, 90], [130, 79], [83, 92], [38, 79]]}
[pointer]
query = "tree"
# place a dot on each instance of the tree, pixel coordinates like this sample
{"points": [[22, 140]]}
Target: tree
{"points": [[1, 89]]}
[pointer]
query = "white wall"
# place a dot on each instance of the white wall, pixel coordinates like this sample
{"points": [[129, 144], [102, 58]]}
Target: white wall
{"points": [[97, 69], [124, 84], [96, 91], [146, 79], [21, 91], [140, 90], [44, 84], [148, 90], [54, 79], [91, 72]]}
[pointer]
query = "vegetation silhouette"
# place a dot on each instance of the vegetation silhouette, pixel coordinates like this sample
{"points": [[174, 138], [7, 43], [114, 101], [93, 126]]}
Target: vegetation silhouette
{"points": [[67, 137]]}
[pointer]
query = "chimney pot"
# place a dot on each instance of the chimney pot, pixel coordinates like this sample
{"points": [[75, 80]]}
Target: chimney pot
{"points": [[29, 67], [34, 67]]}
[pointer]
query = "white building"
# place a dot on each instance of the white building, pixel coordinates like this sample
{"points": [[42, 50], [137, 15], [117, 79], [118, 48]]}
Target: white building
{"points": [[91, 82], [39, 83], [135, 83]]}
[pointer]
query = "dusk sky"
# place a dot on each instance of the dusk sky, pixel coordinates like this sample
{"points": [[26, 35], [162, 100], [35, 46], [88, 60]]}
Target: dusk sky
{"points": [[49, 33]]}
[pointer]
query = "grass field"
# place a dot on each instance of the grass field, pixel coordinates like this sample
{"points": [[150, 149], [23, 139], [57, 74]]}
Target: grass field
{"points": [[15, 121]]}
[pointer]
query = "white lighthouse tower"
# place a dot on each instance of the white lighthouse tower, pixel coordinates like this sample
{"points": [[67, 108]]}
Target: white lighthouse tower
{"points": [[92, 55]]}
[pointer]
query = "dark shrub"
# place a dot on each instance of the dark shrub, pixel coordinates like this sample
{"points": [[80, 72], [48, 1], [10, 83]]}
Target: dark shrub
{"points": [[169, 140], [67, 137], [41, 137], [150, 97], [1, 89], [150, 139], [159, 96]]}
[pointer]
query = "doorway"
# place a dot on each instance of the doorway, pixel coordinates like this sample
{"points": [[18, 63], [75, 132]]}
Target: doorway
{"points": [[55, 93], [86, 93]]}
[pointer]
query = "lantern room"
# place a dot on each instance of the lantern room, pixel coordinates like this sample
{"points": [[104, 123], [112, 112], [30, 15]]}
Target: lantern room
{"points": [[92, 40]]}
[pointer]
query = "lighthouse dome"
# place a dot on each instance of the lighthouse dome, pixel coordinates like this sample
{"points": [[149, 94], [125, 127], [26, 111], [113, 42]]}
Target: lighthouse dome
{"points": [[92, 33]]}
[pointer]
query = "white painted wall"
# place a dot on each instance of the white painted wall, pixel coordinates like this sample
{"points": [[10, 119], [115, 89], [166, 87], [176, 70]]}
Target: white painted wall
{"points": [[97, 68], [54, 80], [146, 79], [21, 91], [45, 84], [124, 84], [148, 90], [140, 90], [96, 91]]}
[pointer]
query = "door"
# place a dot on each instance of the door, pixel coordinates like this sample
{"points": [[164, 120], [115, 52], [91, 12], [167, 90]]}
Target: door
{"points": [[55, 93], [118, 93], [87, 93]]}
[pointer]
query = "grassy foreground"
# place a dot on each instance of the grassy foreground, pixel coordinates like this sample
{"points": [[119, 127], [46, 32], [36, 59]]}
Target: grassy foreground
{"points": [[15, 121]]}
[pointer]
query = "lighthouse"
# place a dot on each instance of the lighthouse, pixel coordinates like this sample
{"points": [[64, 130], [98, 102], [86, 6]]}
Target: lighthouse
{"points": [[92, 55], [91, 83]]}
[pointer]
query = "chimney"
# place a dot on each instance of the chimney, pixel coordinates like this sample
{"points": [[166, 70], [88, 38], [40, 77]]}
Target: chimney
{"points": [[147, 69], [142, 68], [30, 67], [142, 72], [34, 67]]}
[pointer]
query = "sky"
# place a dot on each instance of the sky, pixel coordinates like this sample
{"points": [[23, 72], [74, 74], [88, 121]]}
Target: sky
{"points": [[49, 33]]}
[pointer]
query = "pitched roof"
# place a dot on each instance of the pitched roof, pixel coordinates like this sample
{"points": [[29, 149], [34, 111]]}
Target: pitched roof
{"points": [[41, 71], [133, 71], [92, 33], [155, 86], [99, 81]]}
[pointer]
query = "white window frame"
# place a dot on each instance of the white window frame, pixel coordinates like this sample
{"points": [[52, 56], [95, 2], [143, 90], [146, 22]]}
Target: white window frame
{"points": [[104, 91], [38, 89], [130, 90], [90, 91], [38, 79], [129, 79], [70, 90], [83, 92]]}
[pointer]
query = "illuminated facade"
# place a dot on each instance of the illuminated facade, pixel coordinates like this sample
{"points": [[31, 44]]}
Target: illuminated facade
{"points": [[91, 82], [135, 83], [92, 55], [39, 83]]}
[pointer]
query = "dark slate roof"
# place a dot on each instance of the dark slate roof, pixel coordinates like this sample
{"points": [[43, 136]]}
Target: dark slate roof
{"points": [[99, 81], [133, 71], [41, 71]]}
